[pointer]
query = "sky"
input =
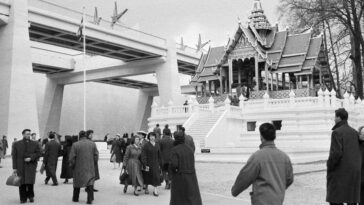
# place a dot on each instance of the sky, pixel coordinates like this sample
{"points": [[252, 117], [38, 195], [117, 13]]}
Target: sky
{"points": [[215, 20]]}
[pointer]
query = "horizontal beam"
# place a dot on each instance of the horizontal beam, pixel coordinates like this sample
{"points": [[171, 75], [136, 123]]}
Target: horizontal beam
{"points": [[133, 68]]}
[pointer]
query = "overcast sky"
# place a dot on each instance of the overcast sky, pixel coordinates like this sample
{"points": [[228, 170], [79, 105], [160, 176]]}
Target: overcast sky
{"points": [[214, 19]]}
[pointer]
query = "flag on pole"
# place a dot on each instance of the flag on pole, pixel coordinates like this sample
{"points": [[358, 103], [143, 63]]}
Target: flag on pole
{"points": [[79, 33]]}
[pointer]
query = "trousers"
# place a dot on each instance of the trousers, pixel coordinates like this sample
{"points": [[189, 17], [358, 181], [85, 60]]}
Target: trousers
{"points": [[26, 191], [89, 190]]}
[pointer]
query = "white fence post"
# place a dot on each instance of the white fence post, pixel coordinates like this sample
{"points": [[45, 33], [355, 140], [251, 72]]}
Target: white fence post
{"points": [[333, 98], [211, 104], [291, 98], [320, 94], [346, 100], [266, 99], [327, 98], [241, 101], [227, 104]]}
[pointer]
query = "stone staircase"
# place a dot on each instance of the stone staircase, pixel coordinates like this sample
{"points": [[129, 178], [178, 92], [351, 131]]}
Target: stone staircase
{"points": [[200, 126]]}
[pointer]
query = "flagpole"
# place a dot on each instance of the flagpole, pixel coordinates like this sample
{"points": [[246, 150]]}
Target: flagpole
{"points": [[84, 65]]}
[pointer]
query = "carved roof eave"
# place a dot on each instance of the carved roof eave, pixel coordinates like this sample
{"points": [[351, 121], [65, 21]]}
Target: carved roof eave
{"points": [[234, 41]]}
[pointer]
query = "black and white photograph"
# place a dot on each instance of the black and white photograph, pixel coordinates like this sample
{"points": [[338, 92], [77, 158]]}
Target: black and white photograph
{"points": [[182, 102]]}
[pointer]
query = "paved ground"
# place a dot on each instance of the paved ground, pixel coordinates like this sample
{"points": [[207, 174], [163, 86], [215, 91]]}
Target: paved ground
{"points": [[215, 181]]}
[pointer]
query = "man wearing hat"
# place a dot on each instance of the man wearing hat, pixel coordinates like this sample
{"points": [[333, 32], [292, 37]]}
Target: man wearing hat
{"points": [[184, 188]]}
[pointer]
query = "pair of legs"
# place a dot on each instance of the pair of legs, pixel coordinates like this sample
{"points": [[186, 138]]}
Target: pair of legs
{"points": [[115, 164], [135, 189], [52, 175], [90, 194], [166, 176], [26, 191], [155, 190]]}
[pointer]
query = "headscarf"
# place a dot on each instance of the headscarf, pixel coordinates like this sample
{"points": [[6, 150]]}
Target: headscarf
{"points": [[179, 138]]}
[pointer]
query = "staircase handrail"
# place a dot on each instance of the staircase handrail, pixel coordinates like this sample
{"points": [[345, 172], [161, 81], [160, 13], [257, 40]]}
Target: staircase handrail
{"points": [[216, 124]]}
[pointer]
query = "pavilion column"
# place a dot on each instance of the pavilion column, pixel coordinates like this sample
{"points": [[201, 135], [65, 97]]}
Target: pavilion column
{"points": [[300, 81], [239, 73], [51, 108], [266, 76], [297, 82], [289, 82], [230, 75], [169, 87], [257, 72], [277, 81], [320, 75], [18, 105], [284, 81], [221, 85], [144, 107], [308, 84], [311, 82], [271, 82]]}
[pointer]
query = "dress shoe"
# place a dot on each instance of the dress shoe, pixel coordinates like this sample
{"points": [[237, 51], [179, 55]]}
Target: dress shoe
{"points": [[31, 200], [146, 191], [56, 184], [155, 194], [75, 200], [89, 202], [96, 190], [23, 202], [45, 181], [125, 189], [135, 193]]}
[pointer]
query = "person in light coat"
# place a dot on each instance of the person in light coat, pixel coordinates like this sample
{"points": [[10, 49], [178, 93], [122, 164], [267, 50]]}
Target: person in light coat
{"points": [[269, 170]]}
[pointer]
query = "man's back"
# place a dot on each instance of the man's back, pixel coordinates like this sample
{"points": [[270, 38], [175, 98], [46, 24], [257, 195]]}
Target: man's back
{"points": [[270, 171]]}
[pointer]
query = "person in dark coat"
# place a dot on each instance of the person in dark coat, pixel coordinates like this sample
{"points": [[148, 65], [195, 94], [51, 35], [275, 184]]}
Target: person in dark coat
{"points": [[50, 159], [157, 131], [184, 187], [133, 166], [344, 163], [166, 145], [166, 130], [82, 159], [89, 134], [66, 172], [361, 139], [25, 155], [116, 151], [188, 139], [5, 146], [151, 160]]}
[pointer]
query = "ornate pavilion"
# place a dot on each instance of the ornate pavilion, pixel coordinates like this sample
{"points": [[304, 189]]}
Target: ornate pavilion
{"points": [[261, 59]]}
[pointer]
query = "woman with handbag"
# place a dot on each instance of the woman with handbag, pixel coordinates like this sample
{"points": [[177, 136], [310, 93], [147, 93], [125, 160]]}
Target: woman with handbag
{"points": [[66, 172], [132, 166], [116, 151], [151, 160]]}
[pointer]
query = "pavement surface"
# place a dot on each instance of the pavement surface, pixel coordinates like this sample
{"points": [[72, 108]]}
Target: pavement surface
{"points": [[215, 181]]}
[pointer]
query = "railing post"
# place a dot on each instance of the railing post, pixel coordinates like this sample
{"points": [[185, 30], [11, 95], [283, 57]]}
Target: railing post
{"points": [[351, 101], [241, 101], [190, 105], [266, 99], [320, 94], [333, 98], [154, 107], [291, 98], [327, 98], [211, 104], [227, 104], [346, 100]]}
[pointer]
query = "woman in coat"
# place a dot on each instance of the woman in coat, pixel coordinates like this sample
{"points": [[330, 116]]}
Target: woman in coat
{"points": [[66, 172], [116, 151], [184, 188], [133, 166], [361, 138], [151, 160]]}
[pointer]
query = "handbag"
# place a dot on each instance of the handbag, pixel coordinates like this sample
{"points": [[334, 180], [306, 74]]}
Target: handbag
{"points": [[123, 176], [13, 180]]}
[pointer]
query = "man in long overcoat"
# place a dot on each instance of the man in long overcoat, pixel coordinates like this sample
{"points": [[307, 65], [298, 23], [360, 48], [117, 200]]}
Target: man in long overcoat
{"points": [[82, 159], [166, 145], [50, 159], [25, 155], [90, 134], [5, 145], [184, 188], [344, 163]]}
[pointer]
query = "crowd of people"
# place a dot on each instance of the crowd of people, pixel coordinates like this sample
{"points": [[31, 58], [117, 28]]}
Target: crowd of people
{"points": [[149, 159]]}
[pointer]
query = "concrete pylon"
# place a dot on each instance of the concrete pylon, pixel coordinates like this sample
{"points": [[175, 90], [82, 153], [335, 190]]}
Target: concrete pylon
{"points": [[144, 110], [18, 107], [50, 115], [168, 78]]}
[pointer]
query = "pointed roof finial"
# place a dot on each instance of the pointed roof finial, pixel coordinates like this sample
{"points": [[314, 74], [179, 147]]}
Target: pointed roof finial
{"points": [[257, 17], [239, 21]]}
